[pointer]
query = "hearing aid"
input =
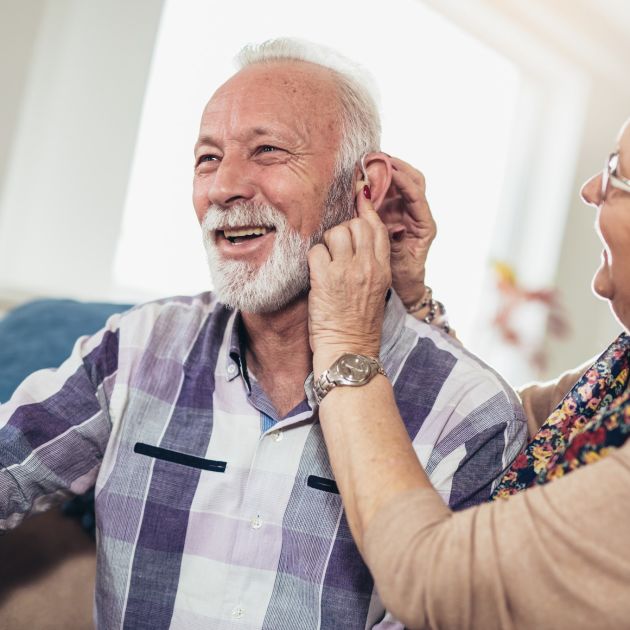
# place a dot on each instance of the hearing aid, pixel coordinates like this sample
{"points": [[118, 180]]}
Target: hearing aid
{"points": [[364, 169], [364, 175]]}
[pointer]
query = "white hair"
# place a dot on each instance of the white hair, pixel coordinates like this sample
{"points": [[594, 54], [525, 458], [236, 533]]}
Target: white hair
{"points": [[358, 95]]}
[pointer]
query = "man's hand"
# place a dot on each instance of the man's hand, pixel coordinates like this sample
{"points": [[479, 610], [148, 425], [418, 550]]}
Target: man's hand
{"points": [[411, 227], [350, 275]]}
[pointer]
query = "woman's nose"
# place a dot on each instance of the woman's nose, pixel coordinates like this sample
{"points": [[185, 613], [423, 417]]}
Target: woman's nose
{"points": [[591, 191]]}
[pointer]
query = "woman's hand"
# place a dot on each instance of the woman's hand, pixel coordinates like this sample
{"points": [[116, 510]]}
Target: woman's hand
{"points": [[411, 228], [350, 275]]}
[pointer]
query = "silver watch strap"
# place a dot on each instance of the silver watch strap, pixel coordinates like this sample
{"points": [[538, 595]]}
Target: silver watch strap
{"points": [[324, 384]]}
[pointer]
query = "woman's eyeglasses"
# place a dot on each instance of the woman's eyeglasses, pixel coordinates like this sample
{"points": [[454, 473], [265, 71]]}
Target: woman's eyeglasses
{"points": [[610, 177]]}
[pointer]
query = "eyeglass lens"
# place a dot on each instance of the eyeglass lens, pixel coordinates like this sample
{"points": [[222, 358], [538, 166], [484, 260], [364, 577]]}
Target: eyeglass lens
{"points": [[610, 169]]}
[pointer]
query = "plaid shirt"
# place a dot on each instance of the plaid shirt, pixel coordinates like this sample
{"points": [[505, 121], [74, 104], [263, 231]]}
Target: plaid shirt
{"points": [[211, 512]]}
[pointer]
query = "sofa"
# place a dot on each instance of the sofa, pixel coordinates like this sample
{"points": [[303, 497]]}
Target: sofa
{"points": [[47, 565]]}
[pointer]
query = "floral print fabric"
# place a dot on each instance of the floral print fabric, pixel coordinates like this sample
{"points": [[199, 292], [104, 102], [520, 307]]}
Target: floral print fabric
{"points": [[592, 419]]}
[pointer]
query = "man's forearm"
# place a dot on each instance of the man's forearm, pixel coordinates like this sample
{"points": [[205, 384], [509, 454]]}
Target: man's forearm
{"points": [[369, 448]]}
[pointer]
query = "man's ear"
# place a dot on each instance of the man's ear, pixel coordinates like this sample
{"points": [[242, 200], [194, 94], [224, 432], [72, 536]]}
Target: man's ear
{"points": [[379, 171]]}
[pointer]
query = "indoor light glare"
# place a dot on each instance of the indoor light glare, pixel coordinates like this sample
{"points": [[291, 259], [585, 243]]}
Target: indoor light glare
{"points": [[448, 103]]}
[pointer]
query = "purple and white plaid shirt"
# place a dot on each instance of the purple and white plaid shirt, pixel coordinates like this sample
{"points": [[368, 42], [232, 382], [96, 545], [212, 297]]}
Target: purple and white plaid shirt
{"points": [[211, 513]]}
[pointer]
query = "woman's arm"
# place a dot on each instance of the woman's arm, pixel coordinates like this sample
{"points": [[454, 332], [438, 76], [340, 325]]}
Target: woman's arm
{"points": [[350, 275], [369, 449], [553, 556]]}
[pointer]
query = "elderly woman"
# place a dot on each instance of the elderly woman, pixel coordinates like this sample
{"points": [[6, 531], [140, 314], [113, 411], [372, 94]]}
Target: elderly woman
{"points": [[552, 551]]}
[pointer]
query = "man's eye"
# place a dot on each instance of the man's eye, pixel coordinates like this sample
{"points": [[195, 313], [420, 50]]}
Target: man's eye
{"points": [[207, 158], [267, 148]]}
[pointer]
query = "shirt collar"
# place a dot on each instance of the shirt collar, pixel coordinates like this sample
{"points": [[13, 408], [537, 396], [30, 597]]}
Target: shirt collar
{"points": [[393, 324], [233, 362]]}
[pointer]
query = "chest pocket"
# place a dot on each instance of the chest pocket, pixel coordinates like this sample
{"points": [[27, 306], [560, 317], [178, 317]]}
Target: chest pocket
{"points": [[179, 458]]}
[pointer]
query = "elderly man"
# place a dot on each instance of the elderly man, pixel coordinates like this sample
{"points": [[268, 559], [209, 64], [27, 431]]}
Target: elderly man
{"points": [[197, 417]]}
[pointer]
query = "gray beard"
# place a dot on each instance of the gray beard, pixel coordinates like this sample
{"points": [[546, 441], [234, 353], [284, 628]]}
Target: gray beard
{"points": [[284, 276]]}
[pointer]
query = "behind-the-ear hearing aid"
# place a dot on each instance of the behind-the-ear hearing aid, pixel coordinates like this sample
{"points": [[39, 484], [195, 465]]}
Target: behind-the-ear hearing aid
{"points": [[364, 169], [364, 175]]}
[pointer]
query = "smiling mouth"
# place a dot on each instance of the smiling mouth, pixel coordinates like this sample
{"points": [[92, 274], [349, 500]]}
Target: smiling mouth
{"points": [[244, 234]]}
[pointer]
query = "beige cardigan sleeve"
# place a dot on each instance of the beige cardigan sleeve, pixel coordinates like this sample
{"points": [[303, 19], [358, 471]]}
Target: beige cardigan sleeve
{"points": [[554, 556], [540, 399]]}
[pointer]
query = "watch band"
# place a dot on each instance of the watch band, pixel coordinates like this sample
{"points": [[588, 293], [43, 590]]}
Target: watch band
{"points": [[330, 378]]}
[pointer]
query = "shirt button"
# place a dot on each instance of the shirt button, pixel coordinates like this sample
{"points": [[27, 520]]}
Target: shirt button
{"points": [[276, 436], [238, 612], [231, 368], [256, 522]]}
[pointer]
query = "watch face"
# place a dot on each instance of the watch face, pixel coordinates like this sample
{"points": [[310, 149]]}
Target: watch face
{"points": [[353, 368]]}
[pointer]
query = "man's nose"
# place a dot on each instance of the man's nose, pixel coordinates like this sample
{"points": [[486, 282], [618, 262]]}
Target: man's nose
{"points": [[591, 191], [230, 183]]}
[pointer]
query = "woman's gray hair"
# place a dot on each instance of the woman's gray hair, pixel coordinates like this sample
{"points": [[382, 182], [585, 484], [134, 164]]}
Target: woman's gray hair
{"points": [[358, 96]]}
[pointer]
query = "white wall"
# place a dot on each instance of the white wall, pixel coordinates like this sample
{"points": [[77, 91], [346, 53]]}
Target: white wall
{"points": [[593, 326], [19, 27], [74, 74], [554, 40], [66, 169]]}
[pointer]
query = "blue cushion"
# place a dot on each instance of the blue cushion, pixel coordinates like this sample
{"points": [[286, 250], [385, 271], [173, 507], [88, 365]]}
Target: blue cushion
{"points": [[40, 334]]}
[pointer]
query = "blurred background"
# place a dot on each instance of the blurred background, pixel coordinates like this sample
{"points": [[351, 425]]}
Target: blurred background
{"points": [[506, 106]]}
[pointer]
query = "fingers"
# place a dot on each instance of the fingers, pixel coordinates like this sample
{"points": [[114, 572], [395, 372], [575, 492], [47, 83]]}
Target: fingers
{"points": [[362, 238], [338, 240], [366, 211], [399, 165], [354, 238], [411, 185], [411, 189], [318, 258]]}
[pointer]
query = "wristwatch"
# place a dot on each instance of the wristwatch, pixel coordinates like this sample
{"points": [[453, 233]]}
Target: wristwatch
{"points": [[349, 369]]}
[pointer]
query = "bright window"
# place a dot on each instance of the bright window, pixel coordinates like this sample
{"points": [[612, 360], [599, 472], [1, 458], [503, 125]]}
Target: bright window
{"points": [[448, 107]]}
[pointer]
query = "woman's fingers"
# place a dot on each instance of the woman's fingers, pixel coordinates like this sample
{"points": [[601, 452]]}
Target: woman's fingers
{"points": [[362, 237], [350, 275], [412, 229], [318, 258], [412, 192], [338, 240], [405, 167], [367, 213]]}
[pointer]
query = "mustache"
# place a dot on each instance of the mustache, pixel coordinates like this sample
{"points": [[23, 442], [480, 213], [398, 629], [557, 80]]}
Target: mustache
{"points": [[243, 214]]}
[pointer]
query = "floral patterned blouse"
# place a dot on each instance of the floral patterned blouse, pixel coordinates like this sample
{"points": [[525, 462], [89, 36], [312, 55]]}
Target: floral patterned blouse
{"points": [[592, 419]]}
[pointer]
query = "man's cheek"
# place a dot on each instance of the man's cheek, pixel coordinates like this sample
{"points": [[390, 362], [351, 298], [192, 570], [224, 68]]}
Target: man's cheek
{"points": [[200, 204]]}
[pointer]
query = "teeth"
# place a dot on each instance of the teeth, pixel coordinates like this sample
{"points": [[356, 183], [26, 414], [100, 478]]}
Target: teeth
{"points": [[250, 231]]}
